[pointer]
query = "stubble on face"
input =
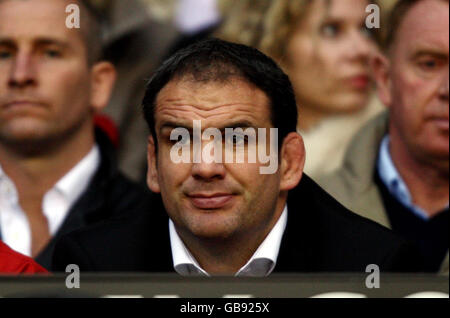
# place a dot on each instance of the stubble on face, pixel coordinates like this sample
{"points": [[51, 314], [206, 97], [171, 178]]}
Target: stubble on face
{"points": [[251, 208], [45, 79]]}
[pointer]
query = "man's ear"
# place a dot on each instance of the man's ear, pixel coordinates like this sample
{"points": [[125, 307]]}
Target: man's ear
{"points": [[381, 70], [152, 172], [292, 161], [103, 78]]}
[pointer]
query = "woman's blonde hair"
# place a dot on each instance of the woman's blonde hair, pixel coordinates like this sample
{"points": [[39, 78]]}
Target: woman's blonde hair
{"points": [[264, 24], [243, 21], [280, 23]]}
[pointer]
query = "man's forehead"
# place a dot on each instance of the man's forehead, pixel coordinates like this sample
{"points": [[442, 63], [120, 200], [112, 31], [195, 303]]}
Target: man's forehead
{"points": [[29, 19], [426, 25], [215, 103]]}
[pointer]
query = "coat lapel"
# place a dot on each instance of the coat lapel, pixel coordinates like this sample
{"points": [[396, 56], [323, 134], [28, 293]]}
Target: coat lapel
{"points": [[298, 243]]}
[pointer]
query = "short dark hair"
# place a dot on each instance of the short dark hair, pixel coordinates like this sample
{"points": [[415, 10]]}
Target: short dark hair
{"points": [[397, 15], [91, 29], [214, 60]]}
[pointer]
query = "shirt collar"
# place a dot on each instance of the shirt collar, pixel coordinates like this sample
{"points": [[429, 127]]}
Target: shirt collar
{"points": [[75, 182], [69, 188], [260, 264], [393, 181], [72, 184], [2, 173], [58, 200]]}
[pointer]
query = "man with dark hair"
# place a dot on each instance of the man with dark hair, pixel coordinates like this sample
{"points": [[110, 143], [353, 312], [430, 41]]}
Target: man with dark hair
{"points": [[397, 169], [91, 27], [230, 218], [57, 173]]}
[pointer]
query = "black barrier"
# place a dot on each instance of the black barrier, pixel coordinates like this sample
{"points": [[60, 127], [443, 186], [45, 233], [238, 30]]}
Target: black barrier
{"points": [[173, 286]]}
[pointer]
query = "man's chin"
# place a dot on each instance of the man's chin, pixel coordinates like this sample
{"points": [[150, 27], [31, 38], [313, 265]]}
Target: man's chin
{"points": [[436, 156], [27, 141], [212, 229], [213, 236]]}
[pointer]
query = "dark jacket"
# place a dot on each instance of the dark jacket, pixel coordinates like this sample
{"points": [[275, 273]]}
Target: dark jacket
{"points": [[321, 235], [109, 194], [354, 184]]}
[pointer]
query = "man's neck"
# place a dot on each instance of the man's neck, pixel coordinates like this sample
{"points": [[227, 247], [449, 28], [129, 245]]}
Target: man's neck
{"points": [[34, 175], [227, 256], [427, 183]]}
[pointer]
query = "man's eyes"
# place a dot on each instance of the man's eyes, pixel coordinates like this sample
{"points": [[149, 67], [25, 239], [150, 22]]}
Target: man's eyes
{"points": [[235, 139], [52, 53], [5, 53], [429, 63], [49, 53], [182, 140]]}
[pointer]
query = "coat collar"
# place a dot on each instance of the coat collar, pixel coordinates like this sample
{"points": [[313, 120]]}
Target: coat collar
{"points": [[296, 250], [360, 169], [89, 206], [94, 196]]}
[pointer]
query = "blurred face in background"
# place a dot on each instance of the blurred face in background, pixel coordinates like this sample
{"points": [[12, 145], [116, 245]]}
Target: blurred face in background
{"points": [[47, 88], [415, 84], [327, 58]]}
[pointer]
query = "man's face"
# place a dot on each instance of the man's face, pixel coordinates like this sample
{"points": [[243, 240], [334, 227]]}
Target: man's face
{"points": [[45, 80], [418, 82], [213, 200]]}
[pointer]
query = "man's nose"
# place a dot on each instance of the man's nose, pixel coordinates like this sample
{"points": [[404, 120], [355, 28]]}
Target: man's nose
{"points": [[208, 169], [23, 71]]}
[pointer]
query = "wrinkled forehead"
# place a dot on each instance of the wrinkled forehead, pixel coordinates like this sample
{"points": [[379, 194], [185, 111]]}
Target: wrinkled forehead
{"points": [[29, 20], [216, 104], [425, 27]]}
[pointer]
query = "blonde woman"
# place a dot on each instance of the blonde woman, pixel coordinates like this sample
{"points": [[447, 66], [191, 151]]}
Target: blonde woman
{"points": [[325, 48]]}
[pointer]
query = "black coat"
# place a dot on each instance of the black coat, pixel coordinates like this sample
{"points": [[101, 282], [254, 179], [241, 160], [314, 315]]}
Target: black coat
{"points": [[321, 235], [109, 194]]}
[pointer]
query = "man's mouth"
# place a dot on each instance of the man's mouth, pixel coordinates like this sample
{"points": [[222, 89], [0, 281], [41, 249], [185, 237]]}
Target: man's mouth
{"points": [[441, 122], [21, 104], [207, 201]]}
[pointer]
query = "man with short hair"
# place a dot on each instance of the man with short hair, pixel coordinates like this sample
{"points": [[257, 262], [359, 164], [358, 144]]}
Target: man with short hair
{"points": [[218, 215], [397, 169], [56, 173]]}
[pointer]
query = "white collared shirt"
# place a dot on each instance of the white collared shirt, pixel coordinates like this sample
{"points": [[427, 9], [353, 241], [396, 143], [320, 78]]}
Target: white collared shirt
{"points": [[394, 182], [260, 264], [56, 203]]}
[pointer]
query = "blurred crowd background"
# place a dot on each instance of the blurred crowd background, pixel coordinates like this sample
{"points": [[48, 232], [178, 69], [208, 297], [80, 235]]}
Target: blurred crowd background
{"points": [[324, 46]]}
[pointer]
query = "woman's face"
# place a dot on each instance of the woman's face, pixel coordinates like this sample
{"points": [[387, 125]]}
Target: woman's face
{"points": [[327, 57]]}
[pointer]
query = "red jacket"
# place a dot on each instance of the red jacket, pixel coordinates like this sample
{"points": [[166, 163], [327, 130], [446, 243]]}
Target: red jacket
{"points": [[12, 262]]}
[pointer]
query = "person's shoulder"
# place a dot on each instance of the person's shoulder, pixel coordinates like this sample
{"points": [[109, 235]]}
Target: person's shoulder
{"points": [[123, 195], [325, 209], [124, 186], [118, 228], [346, 239], [15, 263], [110, 186], [122, 243]]}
